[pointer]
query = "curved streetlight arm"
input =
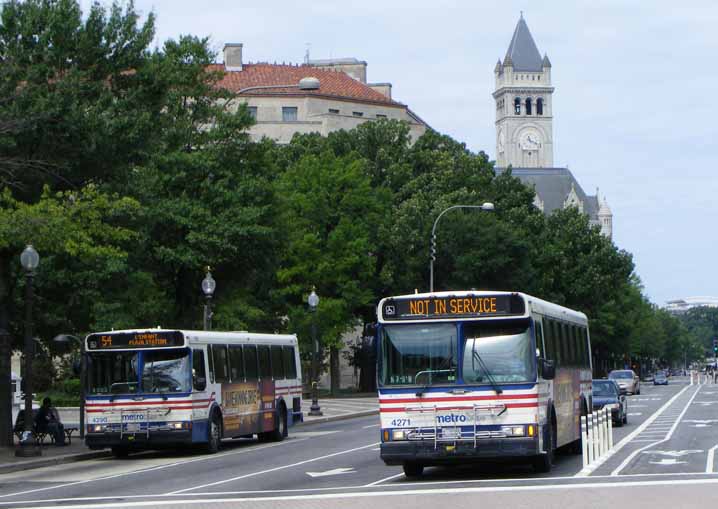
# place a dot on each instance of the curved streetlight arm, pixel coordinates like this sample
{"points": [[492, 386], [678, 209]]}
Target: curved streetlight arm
{"points": [[262, 87], [487, 207]]}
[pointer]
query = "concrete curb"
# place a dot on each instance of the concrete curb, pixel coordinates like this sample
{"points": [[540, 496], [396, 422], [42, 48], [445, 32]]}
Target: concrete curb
{"points": [[49, 462], [341, 417]]}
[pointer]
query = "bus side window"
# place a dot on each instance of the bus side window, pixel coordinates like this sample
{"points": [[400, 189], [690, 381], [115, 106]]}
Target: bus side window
{"points": [[277, 366], [586, 353], [265, 360], [210, 358], [236, 363], [199, 375], [539, 338], [290, 368], [250, 362], [219, 357]]}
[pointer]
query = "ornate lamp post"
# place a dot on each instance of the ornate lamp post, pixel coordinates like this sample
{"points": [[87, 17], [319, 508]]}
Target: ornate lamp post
{"points": [[66, 339], [486, 207], [208, 286], [313, 301], [29, 260]]}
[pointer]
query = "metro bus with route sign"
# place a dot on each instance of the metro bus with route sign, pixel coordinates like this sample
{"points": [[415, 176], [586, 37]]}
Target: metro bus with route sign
{"points": [[471, 375], [155, 388]]}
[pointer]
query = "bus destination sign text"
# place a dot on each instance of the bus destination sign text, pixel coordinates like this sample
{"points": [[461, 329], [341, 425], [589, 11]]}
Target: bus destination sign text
{"points": [[129, 340], [469, 306]]}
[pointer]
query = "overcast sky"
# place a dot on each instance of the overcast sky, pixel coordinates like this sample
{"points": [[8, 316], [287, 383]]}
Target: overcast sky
{"points": [[634, 105]]}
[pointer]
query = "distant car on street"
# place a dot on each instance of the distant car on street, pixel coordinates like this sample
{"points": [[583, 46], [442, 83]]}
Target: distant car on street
{"points": [[607, 394], [627, 381], [660, 378]]}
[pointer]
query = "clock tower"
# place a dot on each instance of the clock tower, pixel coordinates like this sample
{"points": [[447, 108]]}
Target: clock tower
{"points": [[523, 96]]}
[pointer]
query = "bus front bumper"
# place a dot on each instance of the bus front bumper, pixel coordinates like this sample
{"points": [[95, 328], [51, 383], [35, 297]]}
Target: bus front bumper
{"points": [[140, 440], [424, 451]]}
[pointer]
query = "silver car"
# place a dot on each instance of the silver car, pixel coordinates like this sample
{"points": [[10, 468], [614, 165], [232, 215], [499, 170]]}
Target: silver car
{"points": [[627, 381]]}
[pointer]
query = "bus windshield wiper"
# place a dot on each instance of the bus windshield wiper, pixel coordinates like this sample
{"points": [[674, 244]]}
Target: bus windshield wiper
{"points": [[475, 356]]}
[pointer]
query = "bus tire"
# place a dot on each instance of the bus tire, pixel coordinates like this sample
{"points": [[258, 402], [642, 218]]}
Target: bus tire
{"points": [[412, 469], [214, 434], [280, 431], [119, 451], [544, 462]]}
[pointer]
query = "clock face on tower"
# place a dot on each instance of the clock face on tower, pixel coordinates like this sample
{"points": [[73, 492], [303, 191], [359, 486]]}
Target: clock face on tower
{"points": [[530, 140]]}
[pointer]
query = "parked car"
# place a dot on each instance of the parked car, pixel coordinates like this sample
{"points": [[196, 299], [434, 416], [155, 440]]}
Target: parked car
{"points": [[627, 381], [607, 394], [660, 378]]}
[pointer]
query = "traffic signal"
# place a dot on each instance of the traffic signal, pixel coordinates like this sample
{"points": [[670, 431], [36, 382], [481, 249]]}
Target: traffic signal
{"points": [[715, 345]]}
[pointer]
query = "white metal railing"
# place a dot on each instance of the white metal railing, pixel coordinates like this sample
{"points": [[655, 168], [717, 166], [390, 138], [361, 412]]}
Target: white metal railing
{"points": [[596, 435]]}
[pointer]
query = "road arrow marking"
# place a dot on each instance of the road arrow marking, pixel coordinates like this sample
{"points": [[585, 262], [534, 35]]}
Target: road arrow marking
{"points": [[334, 471], [674, 454], [666, 461], [701, 425]]}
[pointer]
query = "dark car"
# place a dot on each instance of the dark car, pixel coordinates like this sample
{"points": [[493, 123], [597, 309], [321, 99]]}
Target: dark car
{"points": [[660, 378], [607, 394], [627, 381]]}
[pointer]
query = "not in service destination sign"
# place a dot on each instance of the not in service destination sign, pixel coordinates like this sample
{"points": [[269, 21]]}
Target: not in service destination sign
{"points": [[468, 306], [130, 340]]}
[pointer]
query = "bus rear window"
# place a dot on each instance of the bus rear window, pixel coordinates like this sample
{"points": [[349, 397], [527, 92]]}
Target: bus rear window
{"points": [[265, 367], [290, 367], [277, 366], [250, 362]]}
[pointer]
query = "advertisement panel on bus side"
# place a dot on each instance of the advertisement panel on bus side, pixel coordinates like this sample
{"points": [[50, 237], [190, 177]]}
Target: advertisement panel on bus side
{"points": [[248, 407]]}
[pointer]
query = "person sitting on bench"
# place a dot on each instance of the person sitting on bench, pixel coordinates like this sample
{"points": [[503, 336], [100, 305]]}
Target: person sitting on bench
{"points": [[47, 420]]}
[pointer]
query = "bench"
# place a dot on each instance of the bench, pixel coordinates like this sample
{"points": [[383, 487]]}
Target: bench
{"points": [[39, 436]]}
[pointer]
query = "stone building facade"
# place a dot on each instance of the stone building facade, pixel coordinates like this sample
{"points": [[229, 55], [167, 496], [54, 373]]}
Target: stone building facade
{"points": [[523, 98], [282, 106]]}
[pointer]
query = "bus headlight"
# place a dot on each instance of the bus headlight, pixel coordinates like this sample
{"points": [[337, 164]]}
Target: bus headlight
{"points": [[398, 434], [513, 431], [612, 406], [179, 425], [96, 428]]}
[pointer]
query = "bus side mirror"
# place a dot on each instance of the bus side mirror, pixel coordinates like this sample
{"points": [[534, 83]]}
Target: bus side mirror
{"points": [[200, 383], [548, 369]]}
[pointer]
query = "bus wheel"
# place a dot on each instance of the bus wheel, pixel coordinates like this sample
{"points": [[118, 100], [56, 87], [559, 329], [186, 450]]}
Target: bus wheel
{"points": [[214, 430], [543, 462], [120, 452], [413, 469], [280, 431]]}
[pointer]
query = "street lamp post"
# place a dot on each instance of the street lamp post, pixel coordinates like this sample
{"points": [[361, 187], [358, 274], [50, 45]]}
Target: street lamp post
{"points": [[486, 207], [208, 286], [65, 339], [29, 260], [313, 301]]}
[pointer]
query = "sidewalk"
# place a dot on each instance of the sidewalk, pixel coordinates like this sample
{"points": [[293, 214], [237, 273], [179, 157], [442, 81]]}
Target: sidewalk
{"points": [[333, 409]]}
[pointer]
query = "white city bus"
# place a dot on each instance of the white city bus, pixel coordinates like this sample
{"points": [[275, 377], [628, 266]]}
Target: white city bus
{"points": [[154, 388], [471, 375]]}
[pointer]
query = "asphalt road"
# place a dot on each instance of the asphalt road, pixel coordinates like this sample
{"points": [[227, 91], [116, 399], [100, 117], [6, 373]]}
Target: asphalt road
{"points": [[666, 450]]}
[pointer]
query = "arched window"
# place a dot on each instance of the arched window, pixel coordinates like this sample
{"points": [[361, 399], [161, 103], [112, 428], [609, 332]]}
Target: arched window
{"points": [[539, 106], [528, 106], [517, 106]]}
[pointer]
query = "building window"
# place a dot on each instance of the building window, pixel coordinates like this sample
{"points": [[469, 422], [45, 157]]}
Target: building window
{"points": [[517, 106], [289, 113], [333, 111], [539, 106], [357, 113], [379, 115], [252, 112], [528, 106]]}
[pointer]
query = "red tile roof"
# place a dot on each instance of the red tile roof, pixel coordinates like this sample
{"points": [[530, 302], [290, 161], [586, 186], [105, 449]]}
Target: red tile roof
{"points": [[333, 84]]}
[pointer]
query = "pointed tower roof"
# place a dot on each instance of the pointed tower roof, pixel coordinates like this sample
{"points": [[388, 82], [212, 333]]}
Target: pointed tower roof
{"points": [[522, 51], [498, 66], [546, 62]]}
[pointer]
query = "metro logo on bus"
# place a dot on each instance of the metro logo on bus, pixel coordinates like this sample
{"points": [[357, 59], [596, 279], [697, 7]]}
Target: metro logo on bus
{"points": [[413, 308]]}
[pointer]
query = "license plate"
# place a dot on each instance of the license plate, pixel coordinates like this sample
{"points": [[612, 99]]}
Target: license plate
{"points": [[133, 426], [450, 433]]}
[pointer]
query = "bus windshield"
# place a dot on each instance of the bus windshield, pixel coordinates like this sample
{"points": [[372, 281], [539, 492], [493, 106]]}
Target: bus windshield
{"points": [[418, 354], [166, 371], [112, 373], [499, 351]]}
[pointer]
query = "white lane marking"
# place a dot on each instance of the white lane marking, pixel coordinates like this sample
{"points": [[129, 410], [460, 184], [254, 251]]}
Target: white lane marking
{"points": [[376, 449], [403, 493], [620, 445], [160, 467], [698, 475], [371, 426], [400, 474], [312, 434], [674, 454], [666, 461], [709, 460], [634, 414], [261, 472], [668, 436], [333, 471]]}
